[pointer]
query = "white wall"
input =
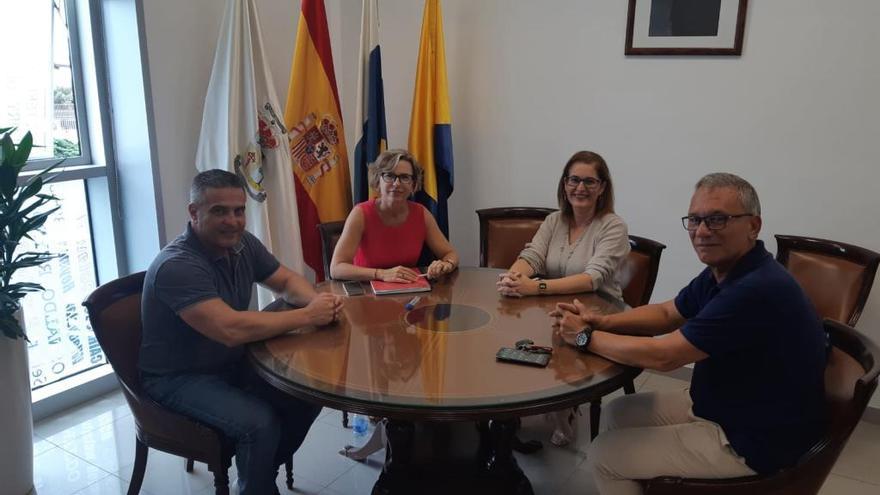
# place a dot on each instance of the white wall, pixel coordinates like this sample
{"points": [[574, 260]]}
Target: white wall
{"points": [[531, 82]]}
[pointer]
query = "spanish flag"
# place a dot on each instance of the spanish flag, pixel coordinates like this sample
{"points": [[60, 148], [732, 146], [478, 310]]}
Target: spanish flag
{"points": [[430, 125], [372, 134], [317, 140]]}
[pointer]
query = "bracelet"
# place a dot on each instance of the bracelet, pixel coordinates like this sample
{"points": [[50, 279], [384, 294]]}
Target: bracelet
{"points": [[447, 261], [375, 274]]}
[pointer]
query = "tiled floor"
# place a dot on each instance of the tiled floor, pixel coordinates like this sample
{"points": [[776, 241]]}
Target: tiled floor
{"points": [[90, 450]]}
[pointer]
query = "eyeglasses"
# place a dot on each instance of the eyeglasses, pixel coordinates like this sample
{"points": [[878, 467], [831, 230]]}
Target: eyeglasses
{"points": [[389, 178], [572, 181], [713, 222]]}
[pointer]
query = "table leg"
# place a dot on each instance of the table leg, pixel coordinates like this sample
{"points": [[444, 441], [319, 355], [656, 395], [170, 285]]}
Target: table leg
{"points": [[502, 466], [595, 414], [398, 457]]}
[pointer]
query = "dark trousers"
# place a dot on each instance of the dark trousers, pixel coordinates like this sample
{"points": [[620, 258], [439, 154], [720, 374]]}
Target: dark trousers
{"points": [[266, 424]]}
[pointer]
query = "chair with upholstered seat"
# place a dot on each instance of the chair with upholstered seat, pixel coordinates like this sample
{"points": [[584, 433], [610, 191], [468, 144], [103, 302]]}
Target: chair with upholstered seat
{"points": [[637, 275], [115, 315], [836, 276], [504, 232], [329, 232], [850, 380]]}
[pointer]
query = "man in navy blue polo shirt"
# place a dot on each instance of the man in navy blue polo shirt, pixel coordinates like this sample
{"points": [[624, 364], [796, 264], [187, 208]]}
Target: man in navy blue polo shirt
{"points": [[196, 322], [755, 403]]}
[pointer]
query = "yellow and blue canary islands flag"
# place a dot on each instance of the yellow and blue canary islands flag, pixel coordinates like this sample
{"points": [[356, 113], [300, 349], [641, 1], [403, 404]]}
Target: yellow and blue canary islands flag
{"points": [[430, 125]]}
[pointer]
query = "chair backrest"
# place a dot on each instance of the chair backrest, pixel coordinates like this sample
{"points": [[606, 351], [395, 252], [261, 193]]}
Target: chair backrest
{"points": [[115, 315], [638, 272], [504, 232], [850, 380], [837, 277], [330, 233]]}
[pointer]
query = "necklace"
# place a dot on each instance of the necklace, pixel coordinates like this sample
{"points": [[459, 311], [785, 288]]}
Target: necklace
{"points": [[563, 259]]}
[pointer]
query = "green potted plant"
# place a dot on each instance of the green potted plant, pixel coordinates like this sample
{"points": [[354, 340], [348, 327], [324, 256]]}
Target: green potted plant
{"points": [[23, 210]]}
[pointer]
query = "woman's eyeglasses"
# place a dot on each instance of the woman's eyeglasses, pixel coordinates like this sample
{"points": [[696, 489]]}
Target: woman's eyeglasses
{"points": [[572, 181], [389, 178]]}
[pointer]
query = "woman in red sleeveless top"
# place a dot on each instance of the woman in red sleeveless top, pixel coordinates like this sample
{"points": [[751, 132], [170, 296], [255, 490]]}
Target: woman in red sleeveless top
{"points": [[383, 237]]}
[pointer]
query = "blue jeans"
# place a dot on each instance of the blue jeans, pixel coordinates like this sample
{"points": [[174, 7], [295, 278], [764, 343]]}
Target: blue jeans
{"points": [[266, 425]]}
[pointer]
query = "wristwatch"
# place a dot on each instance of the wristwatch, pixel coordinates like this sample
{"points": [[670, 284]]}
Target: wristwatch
{"points": [[583, 338], [542, 286]]}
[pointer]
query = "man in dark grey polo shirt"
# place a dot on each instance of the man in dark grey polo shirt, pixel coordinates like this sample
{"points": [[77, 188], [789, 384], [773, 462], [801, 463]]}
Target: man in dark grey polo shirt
{"points": [[196, 322]]}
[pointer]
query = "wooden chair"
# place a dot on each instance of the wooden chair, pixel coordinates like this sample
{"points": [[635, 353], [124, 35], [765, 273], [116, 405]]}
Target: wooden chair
{"points": [[850, 380], [330, 233], [638, 274], [504, 232], [837, 277], [115, 314]]}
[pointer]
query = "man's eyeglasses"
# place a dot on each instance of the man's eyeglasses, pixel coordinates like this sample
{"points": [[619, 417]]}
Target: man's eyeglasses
{"points": [[572, 181], [389, 178], [713, 222]]}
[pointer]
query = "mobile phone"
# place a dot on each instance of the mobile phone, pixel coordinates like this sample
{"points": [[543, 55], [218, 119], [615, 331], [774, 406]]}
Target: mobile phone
{"points": [[522, 357], [353, 288]]}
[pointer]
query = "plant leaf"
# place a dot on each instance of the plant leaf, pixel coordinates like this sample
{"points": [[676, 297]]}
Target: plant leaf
{"points": [[7, 149], [8, 180], [23, 287], [24, 149], [11, 327], [37, 221]]}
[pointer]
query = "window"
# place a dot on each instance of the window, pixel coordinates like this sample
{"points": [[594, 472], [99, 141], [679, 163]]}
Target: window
{"points": [[40, 86], [61, 339], [42, 91]]}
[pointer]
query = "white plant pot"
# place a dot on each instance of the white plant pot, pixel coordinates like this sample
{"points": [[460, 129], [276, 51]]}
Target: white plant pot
{"points": [[16, 421]]}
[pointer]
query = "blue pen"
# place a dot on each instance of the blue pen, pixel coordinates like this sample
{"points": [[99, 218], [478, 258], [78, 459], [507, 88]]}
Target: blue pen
{"points": [[412, 304]]}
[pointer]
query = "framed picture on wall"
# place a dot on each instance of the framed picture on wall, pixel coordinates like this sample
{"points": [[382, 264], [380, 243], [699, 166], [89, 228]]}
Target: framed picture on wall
{"points": [[685, 27]]}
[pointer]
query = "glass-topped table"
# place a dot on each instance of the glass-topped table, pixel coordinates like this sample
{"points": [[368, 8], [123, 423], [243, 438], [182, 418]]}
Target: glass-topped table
{"points": [[436, 362]]}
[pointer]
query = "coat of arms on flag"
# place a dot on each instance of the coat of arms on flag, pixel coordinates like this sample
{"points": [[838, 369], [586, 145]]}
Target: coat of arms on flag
{"points": [[249, 167], [249, 164], [313, 146]]}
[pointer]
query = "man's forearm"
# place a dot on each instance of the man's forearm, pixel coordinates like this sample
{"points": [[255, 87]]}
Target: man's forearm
{"points": [[640, 352], [217, 321], [298, 291], [648, 320], [251, 326]]}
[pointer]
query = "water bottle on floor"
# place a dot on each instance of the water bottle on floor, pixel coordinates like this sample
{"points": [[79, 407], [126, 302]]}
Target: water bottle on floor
{"points": [[360, 428]]}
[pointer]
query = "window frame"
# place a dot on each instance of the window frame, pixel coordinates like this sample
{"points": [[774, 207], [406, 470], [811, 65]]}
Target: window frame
{"points": [[96, 167], [84, 160]]}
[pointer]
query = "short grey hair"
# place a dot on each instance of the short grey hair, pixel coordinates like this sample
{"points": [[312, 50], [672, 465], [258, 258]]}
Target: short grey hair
{"points": [[386, 161], [212, 179], [747, 194]]}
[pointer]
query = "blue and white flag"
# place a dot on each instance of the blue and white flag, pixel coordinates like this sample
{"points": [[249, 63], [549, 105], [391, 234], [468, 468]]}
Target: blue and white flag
{"points": [[372, 137], [243, 132]]}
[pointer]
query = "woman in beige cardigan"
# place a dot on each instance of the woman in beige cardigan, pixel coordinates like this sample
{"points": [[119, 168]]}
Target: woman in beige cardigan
{"points": [[577, 249]]}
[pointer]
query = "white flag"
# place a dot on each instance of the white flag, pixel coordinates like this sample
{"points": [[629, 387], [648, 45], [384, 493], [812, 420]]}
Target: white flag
{"points": [[243, 132]]}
